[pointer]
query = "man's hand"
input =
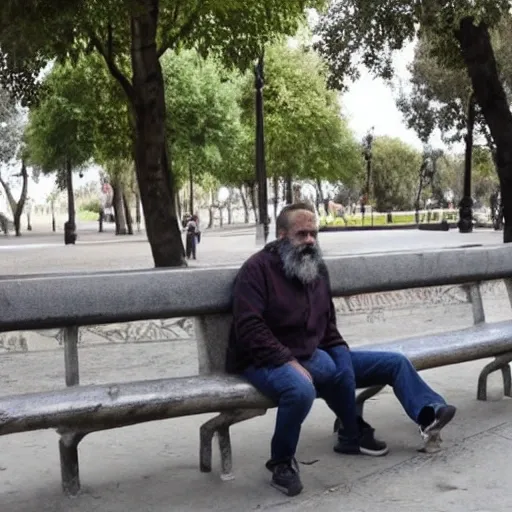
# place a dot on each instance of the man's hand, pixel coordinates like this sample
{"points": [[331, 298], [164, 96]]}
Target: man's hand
{"points": [[301, 369]]}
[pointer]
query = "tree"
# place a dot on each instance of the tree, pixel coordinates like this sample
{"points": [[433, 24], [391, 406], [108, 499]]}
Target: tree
{"points": [[306, 136], [114, 137], [484, 178], [60, 134], [11, 146], [367, 31], [439, 94], [204, 115], [395, 168], [134, 34]]}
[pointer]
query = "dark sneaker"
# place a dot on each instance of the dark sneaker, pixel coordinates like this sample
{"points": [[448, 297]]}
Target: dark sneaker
{"points": [[442, 416], [285, 477], [366, 444], [369, 445]]}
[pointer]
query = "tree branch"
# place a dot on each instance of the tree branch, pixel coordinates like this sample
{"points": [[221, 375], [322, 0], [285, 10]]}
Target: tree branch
{"points": [[10, 198], [169, 42], [107, 54]]}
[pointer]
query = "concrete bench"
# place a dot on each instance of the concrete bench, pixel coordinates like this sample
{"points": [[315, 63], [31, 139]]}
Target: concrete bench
{"points": [[85, 300]]}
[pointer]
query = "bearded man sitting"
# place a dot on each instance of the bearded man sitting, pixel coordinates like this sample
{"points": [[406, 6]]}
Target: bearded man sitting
{"points": [[285, 341]]}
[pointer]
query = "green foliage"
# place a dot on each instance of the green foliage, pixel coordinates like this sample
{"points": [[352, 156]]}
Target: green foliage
{"points": [[438, 99], [87, 215], [92, 205], [440, 94], [11, 127], [395, 174], [61, 128], [484, 179], [203, 119], [381, 219], [34, 32], [367, 32], [305, 134]]}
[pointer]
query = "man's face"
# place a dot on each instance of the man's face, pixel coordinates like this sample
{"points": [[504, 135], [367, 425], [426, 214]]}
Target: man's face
{"points": [[299, 249], [303, 230]]}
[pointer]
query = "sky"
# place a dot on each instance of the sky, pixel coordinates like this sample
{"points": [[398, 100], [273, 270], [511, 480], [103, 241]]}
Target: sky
{"points": [[368, 102], [371, 102]]}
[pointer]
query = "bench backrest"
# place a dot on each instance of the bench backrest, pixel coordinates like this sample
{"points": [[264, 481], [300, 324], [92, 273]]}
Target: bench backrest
{"points": [[123, 296]]}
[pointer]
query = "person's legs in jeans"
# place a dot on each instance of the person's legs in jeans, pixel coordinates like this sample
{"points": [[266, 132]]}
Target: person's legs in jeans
{"points": [[422, 404], [336, 384], [341, 398], [294, 395]]}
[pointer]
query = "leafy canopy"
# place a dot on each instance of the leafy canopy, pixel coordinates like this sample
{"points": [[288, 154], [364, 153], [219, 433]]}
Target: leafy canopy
{"points": [[367, 32], [32, 32], [306, 137]]}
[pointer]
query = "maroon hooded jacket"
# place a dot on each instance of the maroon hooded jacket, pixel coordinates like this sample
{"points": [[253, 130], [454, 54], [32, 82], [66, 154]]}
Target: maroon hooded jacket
{"points": [[277, 319]]}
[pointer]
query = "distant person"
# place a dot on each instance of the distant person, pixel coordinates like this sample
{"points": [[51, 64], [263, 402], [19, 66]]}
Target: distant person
{"points": [[341, 213], [192, 237]]}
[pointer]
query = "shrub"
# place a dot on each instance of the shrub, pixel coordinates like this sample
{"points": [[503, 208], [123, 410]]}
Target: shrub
{"points": [[93, 205]]}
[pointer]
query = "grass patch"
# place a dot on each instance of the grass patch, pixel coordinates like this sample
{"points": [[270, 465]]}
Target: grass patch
{"points": [[381, 219], [87, 215]]}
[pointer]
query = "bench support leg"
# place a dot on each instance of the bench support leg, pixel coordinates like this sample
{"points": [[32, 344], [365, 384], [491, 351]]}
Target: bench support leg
{"points": [[68, 449], [499, 363], [220, 425], [360, 400]]}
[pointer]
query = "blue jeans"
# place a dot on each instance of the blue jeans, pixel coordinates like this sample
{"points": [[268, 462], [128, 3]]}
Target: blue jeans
{"points": [[336, 373]]}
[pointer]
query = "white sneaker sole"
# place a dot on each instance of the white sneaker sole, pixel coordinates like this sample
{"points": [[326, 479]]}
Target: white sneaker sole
{"points": [[374, 453]]}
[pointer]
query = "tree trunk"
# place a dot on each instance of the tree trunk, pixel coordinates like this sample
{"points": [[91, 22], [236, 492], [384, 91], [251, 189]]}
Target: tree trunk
{"points": [[252, 196], [128, 213], [17, 206], [210, 211], [229, 208], [178, 206], [319, 195], [119, 207], [246, 206], [138, 216], [191, 188], [478, 56], [71, 196], [275, 183], [54, 223], [289, 190], [321, 199], [154, 178], [22, 200]]}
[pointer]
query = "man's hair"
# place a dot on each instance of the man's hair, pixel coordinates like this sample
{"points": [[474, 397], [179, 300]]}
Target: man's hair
{"points": [[283, 219]]}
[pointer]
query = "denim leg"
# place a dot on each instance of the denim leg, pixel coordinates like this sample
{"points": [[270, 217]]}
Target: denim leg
{"points": [[335, 382], [294, 395], [394, 369]]}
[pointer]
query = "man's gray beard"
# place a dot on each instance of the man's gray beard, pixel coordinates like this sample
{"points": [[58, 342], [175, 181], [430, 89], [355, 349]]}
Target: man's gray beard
{"points": [[302, 261]]}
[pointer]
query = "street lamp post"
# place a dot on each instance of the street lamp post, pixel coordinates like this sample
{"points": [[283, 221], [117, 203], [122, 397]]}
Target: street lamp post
{"points": [[261, 172], [367, 153], [466, 203]]}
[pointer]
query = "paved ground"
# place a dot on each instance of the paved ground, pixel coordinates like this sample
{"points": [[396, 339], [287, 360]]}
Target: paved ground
{"points": [[36, 252], [153, 467]]}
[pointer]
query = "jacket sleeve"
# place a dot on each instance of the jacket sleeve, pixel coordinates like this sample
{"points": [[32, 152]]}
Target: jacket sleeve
{"points": [[251, 331], [332, 336]]}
